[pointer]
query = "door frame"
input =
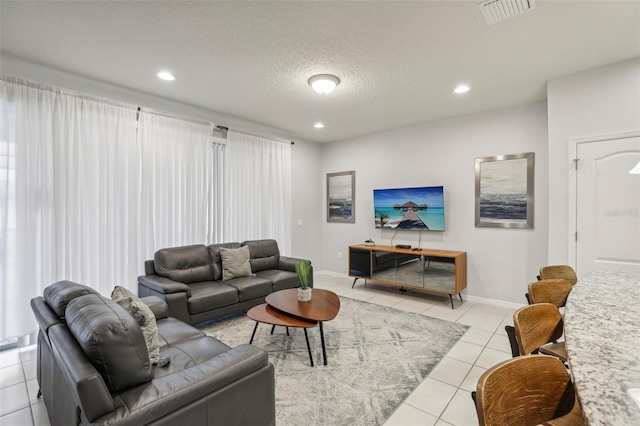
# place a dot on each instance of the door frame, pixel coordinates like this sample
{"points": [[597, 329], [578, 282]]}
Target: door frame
{"points": [[573, 143]]}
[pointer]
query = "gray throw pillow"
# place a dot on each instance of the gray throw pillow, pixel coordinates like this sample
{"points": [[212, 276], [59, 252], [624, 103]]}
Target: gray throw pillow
{"points": [[235, 262], [145, 319]]}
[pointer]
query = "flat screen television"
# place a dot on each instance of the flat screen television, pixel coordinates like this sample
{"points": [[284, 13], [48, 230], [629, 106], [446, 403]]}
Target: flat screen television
{"points": [[418, 209]]}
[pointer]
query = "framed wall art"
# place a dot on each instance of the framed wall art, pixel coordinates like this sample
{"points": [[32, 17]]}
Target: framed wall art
{"points": [[341, 198], [504, 191]]}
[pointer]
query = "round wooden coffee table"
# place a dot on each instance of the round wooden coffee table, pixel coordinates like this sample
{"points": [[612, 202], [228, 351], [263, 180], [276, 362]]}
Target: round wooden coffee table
{"points": [[324, 306]]}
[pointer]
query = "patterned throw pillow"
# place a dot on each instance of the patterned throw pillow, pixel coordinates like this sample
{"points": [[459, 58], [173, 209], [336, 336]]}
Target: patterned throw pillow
{"points": [[145, 319], [235, 262]]}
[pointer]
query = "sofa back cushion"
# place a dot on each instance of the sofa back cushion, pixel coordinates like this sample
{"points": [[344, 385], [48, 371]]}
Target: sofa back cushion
{"points": [[186, 264], [58, 295], [111, 339], [264, 254], [216, 260]]}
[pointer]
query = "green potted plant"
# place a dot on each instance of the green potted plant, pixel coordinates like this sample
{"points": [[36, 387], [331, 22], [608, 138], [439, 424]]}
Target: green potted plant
{"points": [[303, 269]]}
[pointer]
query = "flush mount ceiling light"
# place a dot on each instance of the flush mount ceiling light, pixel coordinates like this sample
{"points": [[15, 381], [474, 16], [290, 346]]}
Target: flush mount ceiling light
{"points": [[324, 83], [166, 76], [462, 88], [318, 125]]}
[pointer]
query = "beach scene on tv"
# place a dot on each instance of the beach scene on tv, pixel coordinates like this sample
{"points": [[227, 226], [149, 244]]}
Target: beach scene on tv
{"points": [[420, 209]]}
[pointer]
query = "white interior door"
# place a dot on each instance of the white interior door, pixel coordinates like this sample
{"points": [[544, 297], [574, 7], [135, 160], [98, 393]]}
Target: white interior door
{"points": [[608, 205]]}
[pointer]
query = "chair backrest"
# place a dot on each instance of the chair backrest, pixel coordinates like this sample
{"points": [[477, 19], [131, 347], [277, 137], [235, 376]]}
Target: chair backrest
{"points": [[553, 291], [523, 391], [537, 325], [564, 272]]}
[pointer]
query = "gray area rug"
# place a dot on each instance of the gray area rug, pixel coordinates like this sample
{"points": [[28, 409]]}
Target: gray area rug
{"points": [[376, 357]]}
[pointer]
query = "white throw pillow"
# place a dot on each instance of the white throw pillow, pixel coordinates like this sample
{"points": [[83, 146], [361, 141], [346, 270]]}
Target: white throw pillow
{"points": [[235, 262], [145, 318]]}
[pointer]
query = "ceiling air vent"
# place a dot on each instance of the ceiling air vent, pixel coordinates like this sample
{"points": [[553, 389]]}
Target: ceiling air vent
{"points": [[499, 10]]}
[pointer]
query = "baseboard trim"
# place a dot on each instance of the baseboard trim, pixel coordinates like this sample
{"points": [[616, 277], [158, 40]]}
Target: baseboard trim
{"points": [[495, 302]]}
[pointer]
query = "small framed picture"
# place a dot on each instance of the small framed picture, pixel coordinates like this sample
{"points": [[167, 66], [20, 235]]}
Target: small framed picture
{"points": [[341, 202], [504, 191]]}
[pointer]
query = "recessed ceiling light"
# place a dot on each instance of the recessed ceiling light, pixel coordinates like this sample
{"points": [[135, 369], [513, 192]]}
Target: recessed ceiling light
{"points": [[318, 125], [324, 83], [166, 76], [462, 88]]}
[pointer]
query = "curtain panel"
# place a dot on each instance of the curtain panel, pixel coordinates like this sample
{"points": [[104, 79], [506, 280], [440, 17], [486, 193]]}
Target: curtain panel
{"points": [[257, 190], [88, 194]]}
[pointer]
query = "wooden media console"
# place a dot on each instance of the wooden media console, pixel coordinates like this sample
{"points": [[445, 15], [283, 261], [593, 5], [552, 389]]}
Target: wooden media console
{"points": [[438, 271]]}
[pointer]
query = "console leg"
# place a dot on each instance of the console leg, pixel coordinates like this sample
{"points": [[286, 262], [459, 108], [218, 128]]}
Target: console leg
{"points": [[287, 330], [273, 328], [324, 349], [451, 300], [460, 296], [254, 333], [306, 336], [354, 282], [40, 392]]}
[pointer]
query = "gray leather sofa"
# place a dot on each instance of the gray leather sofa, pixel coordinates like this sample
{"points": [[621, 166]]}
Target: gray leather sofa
{"points": [[190, 279], [93, 367]]}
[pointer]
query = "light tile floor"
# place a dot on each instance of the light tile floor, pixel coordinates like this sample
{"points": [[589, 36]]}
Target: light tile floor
{"points": [[442, 399]]}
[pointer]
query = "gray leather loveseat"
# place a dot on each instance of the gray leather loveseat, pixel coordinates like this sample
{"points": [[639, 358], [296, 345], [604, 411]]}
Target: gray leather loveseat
{"points": [[195, 281], [93, 367]]}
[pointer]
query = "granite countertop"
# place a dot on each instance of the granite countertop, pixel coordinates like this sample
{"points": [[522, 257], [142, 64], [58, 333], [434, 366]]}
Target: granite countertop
{"points": [[602, 334]]}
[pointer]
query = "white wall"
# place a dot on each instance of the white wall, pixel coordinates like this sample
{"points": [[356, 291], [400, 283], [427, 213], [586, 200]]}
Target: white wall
{"points": [[597, 102], [306, 156], [501, 262]]}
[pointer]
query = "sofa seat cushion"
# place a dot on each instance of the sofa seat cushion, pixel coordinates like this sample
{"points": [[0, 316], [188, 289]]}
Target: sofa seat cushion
{"points": [[111, 339], [189, 353], [251, 287], [281, 279], [172, 331], [187, 264], [209, 295]]}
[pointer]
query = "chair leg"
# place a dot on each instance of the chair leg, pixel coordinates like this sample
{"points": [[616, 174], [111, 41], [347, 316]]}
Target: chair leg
{"points": [[528, 298], [511, 334], [473, 396]]}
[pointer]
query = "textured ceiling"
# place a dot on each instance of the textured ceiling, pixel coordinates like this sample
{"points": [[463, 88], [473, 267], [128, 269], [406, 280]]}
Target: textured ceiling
{"points": [[398, 62]]}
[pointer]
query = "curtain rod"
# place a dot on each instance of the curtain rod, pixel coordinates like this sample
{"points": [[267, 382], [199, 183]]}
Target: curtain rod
{"points": [[259, 135], [176, 116], [93, 98]]}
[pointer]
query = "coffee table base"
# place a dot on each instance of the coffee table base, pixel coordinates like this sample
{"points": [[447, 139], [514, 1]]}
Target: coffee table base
{"points": [[267, 315]]}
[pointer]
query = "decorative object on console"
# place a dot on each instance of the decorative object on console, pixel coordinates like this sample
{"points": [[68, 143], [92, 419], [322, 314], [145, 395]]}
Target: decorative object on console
{"points": [[341, 199], [504, 191], [303, 269], [369, 242], [420, 209]]}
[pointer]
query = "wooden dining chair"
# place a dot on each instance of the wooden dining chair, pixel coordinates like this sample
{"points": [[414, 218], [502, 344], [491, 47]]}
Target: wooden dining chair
{"points": [[554, 291], [537, 328], [564, 272], [526, 391]]}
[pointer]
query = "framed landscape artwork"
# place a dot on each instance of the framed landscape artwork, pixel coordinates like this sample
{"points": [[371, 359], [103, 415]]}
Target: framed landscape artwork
{"points": [[341, 197], [504, 191]]}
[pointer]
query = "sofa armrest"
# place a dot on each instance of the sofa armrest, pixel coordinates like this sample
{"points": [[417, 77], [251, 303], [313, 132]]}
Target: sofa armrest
{"points": [[163, 285], [288, 263], [158, 306], [167, 394]]}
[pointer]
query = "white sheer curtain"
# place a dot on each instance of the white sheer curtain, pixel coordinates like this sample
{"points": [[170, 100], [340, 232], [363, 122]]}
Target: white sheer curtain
{"points": [[257, 190], [68, 187], [178, 172], [83, 197]]}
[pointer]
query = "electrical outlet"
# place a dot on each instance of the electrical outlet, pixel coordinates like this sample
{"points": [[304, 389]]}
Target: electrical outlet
{"points": [[339, 255]]}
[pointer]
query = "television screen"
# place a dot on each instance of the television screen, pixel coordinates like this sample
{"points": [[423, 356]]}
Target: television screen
{"points": [[420, 209]]}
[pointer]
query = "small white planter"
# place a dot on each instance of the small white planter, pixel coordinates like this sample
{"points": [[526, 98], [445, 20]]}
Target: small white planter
{"points": [[304, 295]]}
